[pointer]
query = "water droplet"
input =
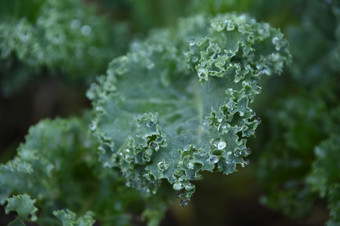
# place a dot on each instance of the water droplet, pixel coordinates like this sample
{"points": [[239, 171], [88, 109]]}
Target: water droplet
{"points": [[246, 84], [230, 25], [150, 65], [261, 31], [127, 150], [230, 91], [214, 56], [202, 154], [99, 109], [258, 89], [218, 25], [154, 145], [250, 38], [93, 127], [107, 138], [25, 37], [258, 120], [159, 140], [213, 159], [191, 165], [177, 186], [237, 153], [213, 142], [202, 73], [194, 59], [183, 203], [221, 145], [57, 39], [230, 105], [241, 29], [275, 40], [230, 54], [264, 30], [189, 187], [86, 30], [251, 99], [150, 123], [192, 42], [245, 163], [259, 66], [75, 24], [275, 56], [162, 165]]}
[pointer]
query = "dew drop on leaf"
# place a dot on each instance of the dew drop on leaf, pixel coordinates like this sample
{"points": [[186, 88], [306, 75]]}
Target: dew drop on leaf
{"points": [[221, 145], [177, 186], [150, 123], [86, 30], [213, 159], [183, 203], [93, 127], [75, 24], [190, 165]]}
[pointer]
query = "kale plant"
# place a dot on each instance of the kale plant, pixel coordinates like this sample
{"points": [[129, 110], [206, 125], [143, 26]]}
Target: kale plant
{"points": [[178, 103], [54, 37], [172, 105]]}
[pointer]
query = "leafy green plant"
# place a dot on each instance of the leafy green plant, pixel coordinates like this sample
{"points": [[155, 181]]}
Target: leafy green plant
{"points": [[299, 165], [56, 168], [173, 105], [185, 93], [54, 37]]}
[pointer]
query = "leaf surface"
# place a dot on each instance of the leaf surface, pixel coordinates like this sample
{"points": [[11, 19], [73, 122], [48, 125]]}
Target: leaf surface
{"points": [[178, 103]]}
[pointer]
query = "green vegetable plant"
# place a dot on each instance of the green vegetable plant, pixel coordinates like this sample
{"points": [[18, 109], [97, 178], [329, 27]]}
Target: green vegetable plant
{"points": [[173, 104], [178, 103], [39, 38]]}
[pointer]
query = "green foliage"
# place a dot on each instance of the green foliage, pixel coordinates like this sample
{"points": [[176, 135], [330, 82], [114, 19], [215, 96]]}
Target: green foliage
{"points": [[177, 103], [23, 205], [57, 165], [300, 164], [68, 218], [51, 37]]}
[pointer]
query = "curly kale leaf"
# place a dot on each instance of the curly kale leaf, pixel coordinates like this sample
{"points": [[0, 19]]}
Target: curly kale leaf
{"points": [[178, 103], [68, 218], [64, 36], [58, 167], [300, 162], [324, 176], [24, 206]]}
